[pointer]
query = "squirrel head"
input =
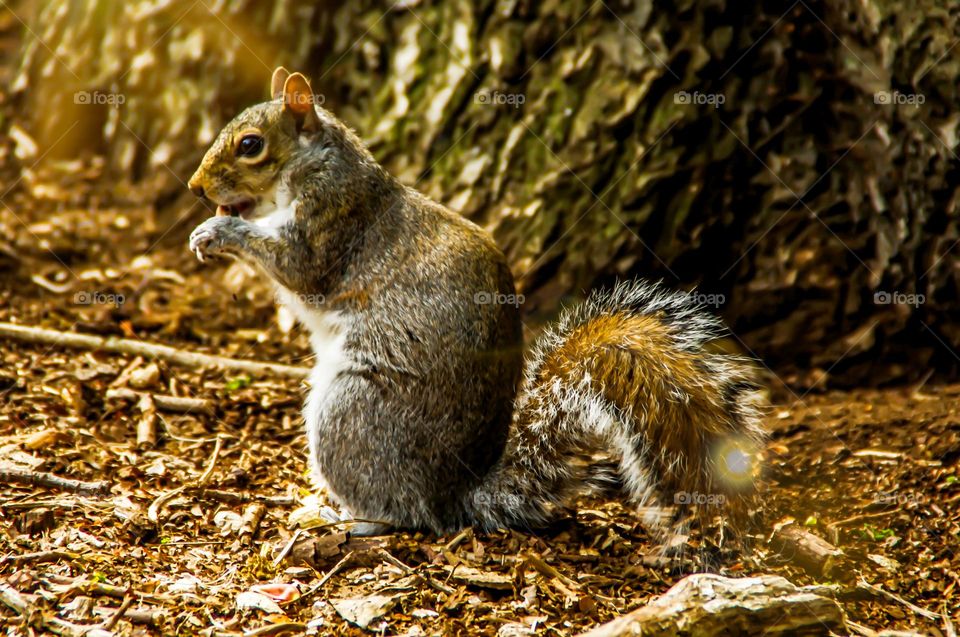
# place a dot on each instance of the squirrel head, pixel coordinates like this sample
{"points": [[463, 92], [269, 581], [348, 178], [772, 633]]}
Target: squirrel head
{"points": [[269, 146]]}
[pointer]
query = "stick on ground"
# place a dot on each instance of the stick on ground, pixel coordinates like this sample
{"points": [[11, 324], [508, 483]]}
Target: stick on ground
{"points": [[40, 557], [114, 345], [175, 404], [41, 479], [147, 425], [143, 616]]}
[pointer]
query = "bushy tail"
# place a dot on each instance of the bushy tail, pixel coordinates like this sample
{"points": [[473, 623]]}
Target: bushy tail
{"points": [[627, 373]]}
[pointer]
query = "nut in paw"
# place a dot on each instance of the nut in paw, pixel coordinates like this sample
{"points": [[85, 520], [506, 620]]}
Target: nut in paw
{"points": [[214, 237]]}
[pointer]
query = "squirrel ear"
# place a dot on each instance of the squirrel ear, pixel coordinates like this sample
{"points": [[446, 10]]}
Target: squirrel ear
{"points": [[280, 76], [298, 100]]}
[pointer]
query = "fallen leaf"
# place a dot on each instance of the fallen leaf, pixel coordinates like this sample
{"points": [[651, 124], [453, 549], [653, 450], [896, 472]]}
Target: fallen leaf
{"points": [[482, 579], [258, 601], [278, 591], [363, 611]]}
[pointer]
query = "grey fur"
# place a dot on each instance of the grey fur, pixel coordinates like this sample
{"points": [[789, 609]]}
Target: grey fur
{"points": [[420, 424]]}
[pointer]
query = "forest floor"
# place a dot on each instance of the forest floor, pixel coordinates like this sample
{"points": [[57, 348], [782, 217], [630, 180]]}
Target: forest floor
{"points": [[202, 521], [198, 520]]}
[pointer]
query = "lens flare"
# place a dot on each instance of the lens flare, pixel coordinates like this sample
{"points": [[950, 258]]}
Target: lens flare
{"points": [[735, 460]]}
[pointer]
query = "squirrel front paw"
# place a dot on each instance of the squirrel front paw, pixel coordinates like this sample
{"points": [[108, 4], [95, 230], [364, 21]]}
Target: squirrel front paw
{"points": [[216, 236]]}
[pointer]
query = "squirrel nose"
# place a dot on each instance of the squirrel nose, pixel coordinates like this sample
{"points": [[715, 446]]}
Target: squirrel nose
{"points": [[196, 187]]}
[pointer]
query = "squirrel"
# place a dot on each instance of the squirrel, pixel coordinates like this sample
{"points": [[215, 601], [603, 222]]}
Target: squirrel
{"points": [[423, 411]]}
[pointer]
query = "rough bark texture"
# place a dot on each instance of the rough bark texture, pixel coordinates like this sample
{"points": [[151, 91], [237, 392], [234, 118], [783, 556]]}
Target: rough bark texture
{"points": [[705, 605], [747, 149], [811, 552]]}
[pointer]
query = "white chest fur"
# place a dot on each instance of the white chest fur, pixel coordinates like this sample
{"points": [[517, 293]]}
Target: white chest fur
{"points": [[327, 338], [276, 211]]}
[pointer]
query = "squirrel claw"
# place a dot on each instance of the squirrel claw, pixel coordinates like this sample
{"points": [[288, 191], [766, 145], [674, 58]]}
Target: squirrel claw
{"points": [[212, 237]]}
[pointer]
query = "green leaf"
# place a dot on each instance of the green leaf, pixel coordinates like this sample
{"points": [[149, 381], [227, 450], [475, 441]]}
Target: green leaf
{"points": [[238, 383], [877, 535]]}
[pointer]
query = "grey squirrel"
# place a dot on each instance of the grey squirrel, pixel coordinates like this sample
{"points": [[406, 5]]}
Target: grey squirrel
{"points": [[422, 412]]}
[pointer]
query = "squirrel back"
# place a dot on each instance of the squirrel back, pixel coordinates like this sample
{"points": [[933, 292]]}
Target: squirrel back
{"points": [[422, 412]]}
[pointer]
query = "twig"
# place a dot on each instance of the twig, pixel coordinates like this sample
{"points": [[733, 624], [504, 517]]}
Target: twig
{"points": [[33, 504], [196, 543], [153, 513], [42, 557], [861, 630], [863, 516], [110, 623], [539, 564], [864, 591], [276, 629], [443, 588], [287, 548], [42, 479], [147, 425], [948, 627], [205, 477], [175, 404], [879, 592], [154, 617], [559, 581], [229, 497], [65, 586], [914, 390], [326, 578], [114, 345], [833, 529], [457, 540]]}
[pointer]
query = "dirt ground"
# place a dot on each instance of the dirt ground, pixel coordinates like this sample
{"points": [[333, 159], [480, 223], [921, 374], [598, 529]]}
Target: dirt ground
{"points": [[211, 529], [207, 527]]}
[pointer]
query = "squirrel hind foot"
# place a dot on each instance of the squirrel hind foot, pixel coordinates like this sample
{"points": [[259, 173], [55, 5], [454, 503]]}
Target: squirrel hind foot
{"points": [[366, 528]]}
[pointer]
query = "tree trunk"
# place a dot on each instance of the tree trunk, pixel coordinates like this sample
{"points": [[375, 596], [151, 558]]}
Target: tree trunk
{"points": [[795, 161]]}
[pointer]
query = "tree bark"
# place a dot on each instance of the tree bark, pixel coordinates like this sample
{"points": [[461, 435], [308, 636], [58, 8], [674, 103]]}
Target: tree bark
{"points": [[796, 161]]}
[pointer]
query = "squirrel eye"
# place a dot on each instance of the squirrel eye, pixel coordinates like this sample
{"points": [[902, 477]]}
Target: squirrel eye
{"points": [[250, 146]]}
